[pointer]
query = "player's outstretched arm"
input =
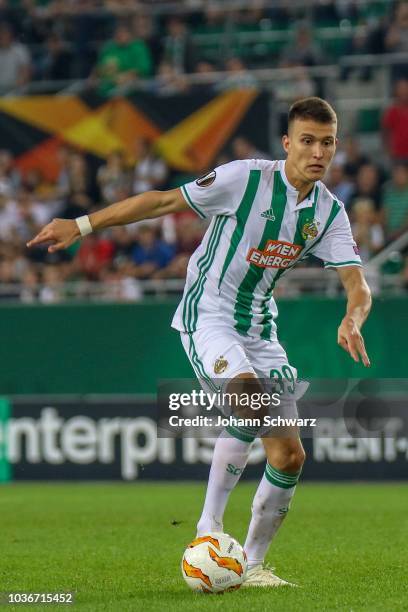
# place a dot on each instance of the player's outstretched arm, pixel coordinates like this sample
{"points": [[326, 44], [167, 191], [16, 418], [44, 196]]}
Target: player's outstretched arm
{"points": [[61, 233], [358, 306]]}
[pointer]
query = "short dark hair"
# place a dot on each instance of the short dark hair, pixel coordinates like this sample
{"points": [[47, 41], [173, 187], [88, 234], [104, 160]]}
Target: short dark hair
{"points": [[313, 108]]}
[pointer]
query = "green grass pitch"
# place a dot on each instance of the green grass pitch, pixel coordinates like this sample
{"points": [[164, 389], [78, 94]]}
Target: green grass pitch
{"points": [[118, 546]]}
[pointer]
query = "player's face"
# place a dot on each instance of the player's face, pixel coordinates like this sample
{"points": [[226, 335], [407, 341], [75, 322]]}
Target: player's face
{"points": [[310, 147]]}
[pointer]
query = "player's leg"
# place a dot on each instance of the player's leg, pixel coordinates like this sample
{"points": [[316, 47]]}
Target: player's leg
{"points": [[204, 348], [228, 463], [285, 458], [230, 457]]}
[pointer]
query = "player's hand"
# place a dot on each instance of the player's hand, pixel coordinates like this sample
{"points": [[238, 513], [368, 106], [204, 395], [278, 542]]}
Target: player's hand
{"points": [[350, 338], [60, 232]]}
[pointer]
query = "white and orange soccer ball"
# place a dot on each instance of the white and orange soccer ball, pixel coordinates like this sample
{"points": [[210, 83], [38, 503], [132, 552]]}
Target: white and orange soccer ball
{"points": [[214, 563]]}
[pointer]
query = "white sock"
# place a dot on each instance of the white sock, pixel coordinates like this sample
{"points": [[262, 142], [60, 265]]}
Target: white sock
{"points": [[229, 460], [269, 507]]}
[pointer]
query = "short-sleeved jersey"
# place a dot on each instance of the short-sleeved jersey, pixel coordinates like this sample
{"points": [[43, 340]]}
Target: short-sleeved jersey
{"points": [[258, 232]]}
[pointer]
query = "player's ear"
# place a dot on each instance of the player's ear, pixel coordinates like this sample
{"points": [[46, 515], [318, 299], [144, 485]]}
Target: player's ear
{"points": [[285, 143]]}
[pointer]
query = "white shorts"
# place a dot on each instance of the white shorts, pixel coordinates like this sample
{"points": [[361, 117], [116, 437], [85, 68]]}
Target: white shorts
{"points": [[219, 353]]}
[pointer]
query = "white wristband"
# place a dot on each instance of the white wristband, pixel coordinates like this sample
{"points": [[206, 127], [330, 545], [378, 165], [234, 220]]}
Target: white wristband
{"points": [[84, 225]]}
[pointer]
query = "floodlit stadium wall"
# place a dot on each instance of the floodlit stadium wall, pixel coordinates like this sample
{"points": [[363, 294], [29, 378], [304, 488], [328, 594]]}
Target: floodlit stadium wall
{"points": [[62, 365]]}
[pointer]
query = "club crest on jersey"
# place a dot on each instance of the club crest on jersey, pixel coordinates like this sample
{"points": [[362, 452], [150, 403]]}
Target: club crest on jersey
{"points": [[276, 254], [220, 365], [310, 230], [207, 179]]}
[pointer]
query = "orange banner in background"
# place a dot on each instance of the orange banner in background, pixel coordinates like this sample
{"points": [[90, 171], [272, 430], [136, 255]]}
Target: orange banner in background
{"points": [[190, 144]]}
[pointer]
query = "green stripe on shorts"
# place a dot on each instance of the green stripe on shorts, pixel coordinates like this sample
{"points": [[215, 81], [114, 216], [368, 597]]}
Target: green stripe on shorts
{"points": [[199, 366]]}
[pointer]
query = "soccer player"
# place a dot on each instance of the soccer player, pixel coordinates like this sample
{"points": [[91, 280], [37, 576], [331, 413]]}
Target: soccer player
{"points": [[266, 216]]}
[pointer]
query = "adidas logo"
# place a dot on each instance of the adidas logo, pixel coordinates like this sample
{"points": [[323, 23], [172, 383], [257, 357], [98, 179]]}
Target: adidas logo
{"points": [[268, 214]]}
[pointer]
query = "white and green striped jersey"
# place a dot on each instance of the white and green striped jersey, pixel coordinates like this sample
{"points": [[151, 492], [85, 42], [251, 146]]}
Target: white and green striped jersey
{"points": [[257, 233]]}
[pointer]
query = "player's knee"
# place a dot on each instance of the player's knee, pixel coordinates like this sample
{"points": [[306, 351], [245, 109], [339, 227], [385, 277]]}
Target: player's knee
{"points": [[242, 389], [290, 460]]}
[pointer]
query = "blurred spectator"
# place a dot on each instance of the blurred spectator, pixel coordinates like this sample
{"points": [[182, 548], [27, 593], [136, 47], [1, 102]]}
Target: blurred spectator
{"points": [[8, 212], [30, 288], [252, 15], [9, 176], [204, 69], [350, 156], [150, 171], [124, 242], [75, 176], [297, 85], [169, 82], [113, 178], [122, 60], [32, 214], [237, 77], [224, 158], [214, 19], [34, 190], [76, 204], [178, 49], [339, 184], [63, 183], [395, 122], [144, 29], [357, 45], [189, 231], [6, 11], [51, 290], [281, 14], [396, 38], [367, 231], [56, 63], [150, 253], [122, 7], [395, 202], [303, 51], [95, 252], [7, 281], [325, 11], [15, 61], [119, 287], [41, 189], [368, 186], [242, 148]]}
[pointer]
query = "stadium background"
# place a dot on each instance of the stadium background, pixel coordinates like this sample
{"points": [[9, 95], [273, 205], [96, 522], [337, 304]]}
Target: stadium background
{"points": [[105, 99]]}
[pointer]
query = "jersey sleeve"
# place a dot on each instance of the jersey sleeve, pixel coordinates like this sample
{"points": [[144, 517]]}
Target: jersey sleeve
{"points": [[337, 248], [219, 192]]}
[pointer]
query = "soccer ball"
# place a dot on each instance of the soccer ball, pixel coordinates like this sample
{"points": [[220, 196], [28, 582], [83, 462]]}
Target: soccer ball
{"points": [[214, 563]]}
